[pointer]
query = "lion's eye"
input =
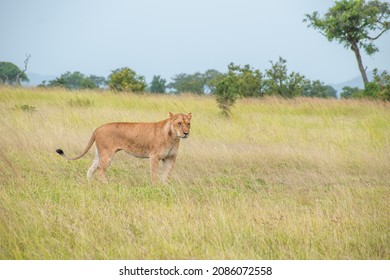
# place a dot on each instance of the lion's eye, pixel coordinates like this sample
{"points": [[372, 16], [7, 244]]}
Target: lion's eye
{"points": [[189, 124], [179, 123]]}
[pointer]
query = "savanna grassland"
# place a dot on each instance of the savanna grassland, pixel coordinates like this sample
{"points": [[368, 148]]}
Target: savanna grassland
{"points": [[281, 179]]}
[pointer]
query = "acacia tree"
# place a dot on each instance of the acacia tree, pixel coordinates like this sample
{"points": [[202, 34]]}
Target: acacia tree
{"points": [[158, 85], [188, 83], [198, 83], [349, 92], [194, 83], [249, 81], [11, 74], [356, 24], [278, 82], [75, 80], [319, 89]]}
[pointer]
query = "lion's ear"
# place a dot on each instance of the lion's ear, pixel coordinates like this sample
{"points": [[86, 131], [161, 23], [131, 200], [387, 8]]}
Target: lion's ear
{"points": [[170, 115], [189, 115]]}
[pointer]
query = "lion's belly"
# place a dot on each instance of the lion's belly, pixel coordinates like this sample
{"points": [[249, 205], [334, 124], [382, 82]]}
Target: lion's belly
{"points": [[139, 151], [138, 155]]}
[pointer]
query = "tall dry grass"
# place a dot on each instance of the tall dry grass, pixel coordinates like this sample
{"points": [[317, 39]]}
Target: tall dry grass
{"points": [[281, 179]]}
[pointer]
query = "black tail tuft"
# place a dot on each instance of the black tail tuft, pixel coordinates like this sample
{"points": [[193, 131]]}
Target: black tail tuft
{"points": [[60, 152]]}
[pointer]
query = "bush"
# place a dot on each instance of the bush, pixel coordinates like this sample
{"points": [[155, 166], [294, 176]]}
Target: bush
{"points": [[226, 92], [350, 92], [25, 108], [125, 79], [379, 88], [80, 102]]}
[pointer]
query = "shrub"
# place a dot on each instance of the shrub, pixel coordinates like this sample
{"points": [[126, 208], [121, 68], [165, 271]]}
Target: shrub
{"points": [[125, 79], [25, 108], [80, 102], [226, 92]]}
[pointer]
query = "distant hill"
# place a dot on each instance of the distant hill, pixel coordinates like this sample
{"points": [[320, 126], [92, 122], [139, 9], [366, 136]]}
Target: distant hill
{"points": [[355, 82], [36, 79]]}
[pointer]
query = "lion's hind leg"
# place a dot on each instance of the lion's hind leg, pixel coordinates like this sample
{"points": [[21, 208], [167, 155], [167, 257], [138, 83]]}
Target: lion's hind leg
{"points": [[94, 166], [105, 156]]}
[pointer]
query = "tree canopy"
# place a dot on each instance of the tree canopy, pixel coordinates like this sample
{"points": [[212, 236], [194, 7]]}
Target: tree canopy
{"points": [[319, 89], [11, 74], [158, 85], [248, 81], [198, 83], [279, 82], [76, 80], [188, 83]]}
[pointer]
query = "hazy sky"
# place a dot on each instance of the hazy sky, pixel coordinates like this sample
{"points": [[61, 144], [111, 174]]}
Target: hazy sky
{"points": [[169, 37]]}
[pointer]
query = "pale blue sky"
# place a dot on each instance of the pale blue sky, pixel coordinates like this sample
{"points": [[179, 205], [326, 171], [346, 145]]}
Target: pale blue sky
{"points": [[174, 36]]}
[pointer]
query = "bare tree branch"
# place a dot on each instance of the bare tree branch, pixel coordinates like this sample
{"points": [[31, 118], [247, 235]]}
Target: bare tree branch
{"points": [[17, 80], [374, 38]]}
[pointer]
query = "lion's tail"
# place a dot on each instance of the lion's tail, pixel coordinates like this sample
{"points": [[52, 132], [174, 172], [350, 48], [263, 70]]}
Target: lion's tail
{"points": [[89, 145]]}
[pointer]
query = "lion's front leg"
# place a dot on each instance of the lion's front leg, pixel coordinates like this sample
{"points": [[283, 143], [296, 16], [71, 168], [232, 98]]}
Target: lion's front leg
{"points": [[154, 168], [168, 164]]}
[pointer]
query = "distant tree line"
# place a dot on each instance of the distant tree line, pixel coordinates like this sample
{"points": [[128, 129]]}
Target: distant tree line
{"points": [[238, 81], [355, 24]]}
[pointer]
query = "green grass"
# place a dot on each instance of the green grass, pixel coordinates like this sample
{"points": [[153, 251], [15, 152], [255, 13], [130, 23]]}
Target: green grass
{"points": [[281, 179]]}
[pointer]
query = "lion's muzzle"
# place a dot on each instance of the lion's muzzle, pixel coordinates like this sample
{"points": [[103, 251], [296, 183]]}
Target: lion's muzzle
{"points": [[185, 135]]}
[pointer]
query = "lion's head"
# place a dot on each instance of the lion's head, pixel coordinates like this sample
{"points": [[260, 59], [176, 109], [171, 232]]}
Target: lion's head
{"points": [[181, 124]]}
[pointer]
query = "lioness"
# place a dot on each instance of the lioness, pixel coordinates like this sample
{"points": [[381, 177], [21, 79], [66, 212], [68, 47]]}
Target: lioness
{"points": [[157, 141]]}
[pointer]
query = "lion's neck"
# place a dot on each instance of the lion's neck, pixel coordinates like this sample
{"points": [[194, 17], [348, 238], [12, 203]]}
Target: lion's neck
{"points": [[168, 134]]}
